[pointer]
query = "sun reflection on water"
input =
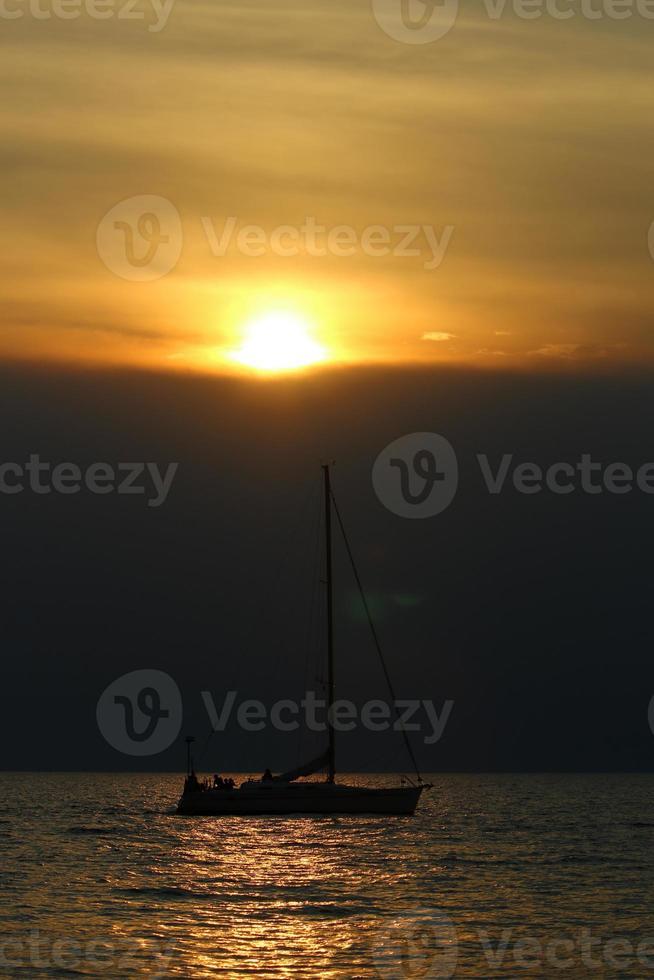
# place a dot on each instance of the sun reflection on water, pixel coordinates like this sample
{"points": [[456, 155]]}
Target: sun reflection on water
{"points": [[102, 865]]}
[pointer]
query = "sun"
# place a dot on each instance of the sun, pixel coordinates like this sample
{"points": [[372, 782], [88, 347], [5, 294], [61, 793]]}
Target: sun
{"points": [[278, 342]]}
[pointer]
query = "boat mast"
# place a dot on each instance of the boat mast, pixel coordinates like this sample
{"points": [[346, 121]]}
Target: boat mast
{"points": [[189, 759], [330, 621]]}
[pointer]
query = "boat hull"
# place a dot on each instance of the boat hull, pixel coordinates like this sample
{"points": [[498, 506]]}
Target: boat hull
{"points": [[309, 798]]}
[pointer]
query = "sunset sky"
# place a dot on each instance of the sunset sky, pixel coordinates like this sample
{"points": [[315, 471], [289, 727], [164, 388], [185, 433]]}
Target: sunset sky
{"points": [[522, 152], [531, 140]]}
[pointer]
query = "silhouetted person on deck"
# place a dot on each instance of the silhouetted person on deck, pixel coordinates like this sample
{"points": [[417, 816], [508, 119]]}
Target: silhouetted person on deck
{"points": [[192, 783], [267, 776]]}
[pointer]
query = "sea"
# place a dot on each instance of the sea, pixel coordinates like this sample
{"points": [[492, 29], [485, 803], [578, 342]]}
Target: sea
{"points": [[495, 876]]}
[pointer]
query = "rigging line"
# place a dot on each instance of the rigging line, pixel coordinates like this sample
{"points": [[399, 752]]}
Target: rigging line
{"points": [[374, 633], [205, 746]]}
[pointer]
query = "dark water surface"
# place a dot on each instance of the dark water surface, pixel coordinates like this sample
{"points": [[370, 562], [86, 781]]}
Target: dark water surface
{"points": [[495, 876]]}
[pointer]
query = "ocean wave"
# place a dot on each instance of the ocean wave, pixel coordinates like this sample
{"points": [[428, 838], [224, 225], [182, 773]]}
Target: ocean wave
{"points": [[94, 829]]}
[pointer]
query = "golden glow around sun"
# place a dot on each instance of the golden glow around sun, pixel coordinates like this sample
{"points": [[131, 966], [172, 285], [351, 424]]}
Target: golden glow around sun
{"points": [[278, 341]]}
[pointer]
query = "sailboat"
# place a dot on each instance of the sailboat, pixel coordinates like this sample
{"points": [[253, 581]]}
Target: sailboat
{"points": [[287, 793]]}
